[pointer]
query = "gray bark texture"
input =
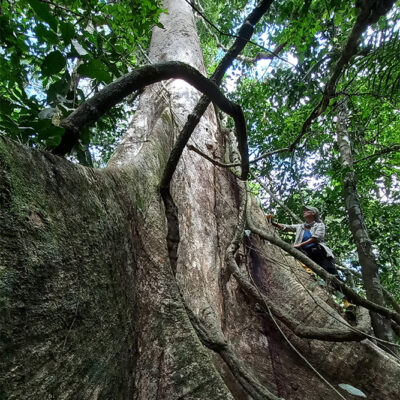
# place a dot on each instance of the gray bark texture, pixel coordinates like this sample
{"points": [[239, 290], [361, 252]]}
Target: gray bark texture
{"points": [[90, 306], [369, 266]]}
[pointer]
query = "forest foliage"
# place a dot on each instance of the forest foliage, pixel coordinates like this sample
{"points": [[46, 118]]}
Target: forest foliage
{"points": [[56, 54]]}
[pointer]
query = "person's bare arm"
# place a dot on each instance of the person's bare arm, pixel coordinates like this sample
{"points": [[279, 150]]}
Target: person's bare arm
{"points": [[308, 241], [270, 219], [280, 226]]}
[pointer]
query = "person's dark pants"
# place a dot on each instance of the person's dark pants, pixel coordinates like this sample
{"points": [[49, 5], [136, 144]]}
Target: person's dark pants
{"points": [[318, 254]]}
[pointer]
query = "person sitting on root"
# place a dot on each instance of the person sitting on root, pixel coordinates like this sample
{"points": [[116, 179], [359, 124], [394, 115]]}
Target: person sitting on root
{"points": [[310, 238]]}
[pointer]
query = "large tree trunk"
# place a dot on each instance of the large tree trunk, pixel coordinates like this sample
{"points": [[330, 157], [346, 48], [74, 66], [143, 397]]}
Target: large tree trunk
{"points": [[369, 266], [91, 308]]}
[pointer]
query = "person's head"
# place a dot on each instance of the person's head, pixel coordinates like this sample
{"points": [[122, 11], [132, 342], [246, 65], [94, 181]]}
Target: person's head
{"points": [[311, 214]]}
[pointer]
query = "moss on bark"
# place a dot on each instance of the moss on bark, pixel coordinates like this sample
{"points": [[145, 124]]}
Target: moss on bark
{"points": [[65, 254], [85, 309]]}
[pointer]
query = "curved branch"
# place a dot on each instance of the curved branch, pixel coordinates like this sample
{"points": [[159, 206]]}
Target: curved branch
{"points": [[266, 54], [91, 110], [244, 34]]}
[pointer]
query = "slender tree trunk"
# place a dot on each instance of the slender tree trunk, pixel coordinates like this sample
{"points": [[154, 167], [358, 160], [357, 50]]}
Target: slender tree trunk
{"points": [[369, 265], [90, 306]]}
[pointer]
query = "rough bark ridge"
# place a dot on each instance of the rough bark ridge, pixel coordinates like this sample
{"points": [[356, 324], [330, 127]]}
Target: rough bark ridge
{"points": [[90, 305]]}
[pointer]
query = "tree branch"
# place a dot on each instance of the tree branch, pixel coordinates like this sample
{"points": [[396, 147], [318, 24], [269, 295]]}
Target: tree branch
{"points": [[223, 165], [294, 325], [91, 110], [370, 12], [244, 34], [348, 292], [218, 344], [394, 148], [388, 296], [264, 56], [272, 194], [267, 54]]}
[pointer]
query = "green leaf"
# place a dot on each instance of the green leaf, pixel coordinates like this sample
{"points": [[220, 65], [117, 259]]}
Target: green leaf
{"points": [[45, 35], [55, 140], [95, 69], [53, 63], [8, 124], [67, 31], [48, 131], [6, 106], [338, 19], [42, 10]]}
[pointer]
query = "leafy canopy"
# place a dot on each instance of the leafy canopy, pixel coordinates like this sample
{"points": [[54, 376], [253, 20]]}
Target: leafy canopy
{"points": [[56, 54]]}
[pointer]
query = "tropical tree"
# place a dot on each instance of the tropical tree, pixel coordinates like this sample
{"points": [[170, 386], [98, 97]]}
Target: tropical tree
{"points": [[157, 276]]}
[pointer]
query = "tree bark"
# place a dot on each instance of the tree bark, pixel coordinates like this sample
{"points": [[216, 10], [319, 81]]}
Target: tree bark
{"points": [[90, 306], [369, 266]]}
